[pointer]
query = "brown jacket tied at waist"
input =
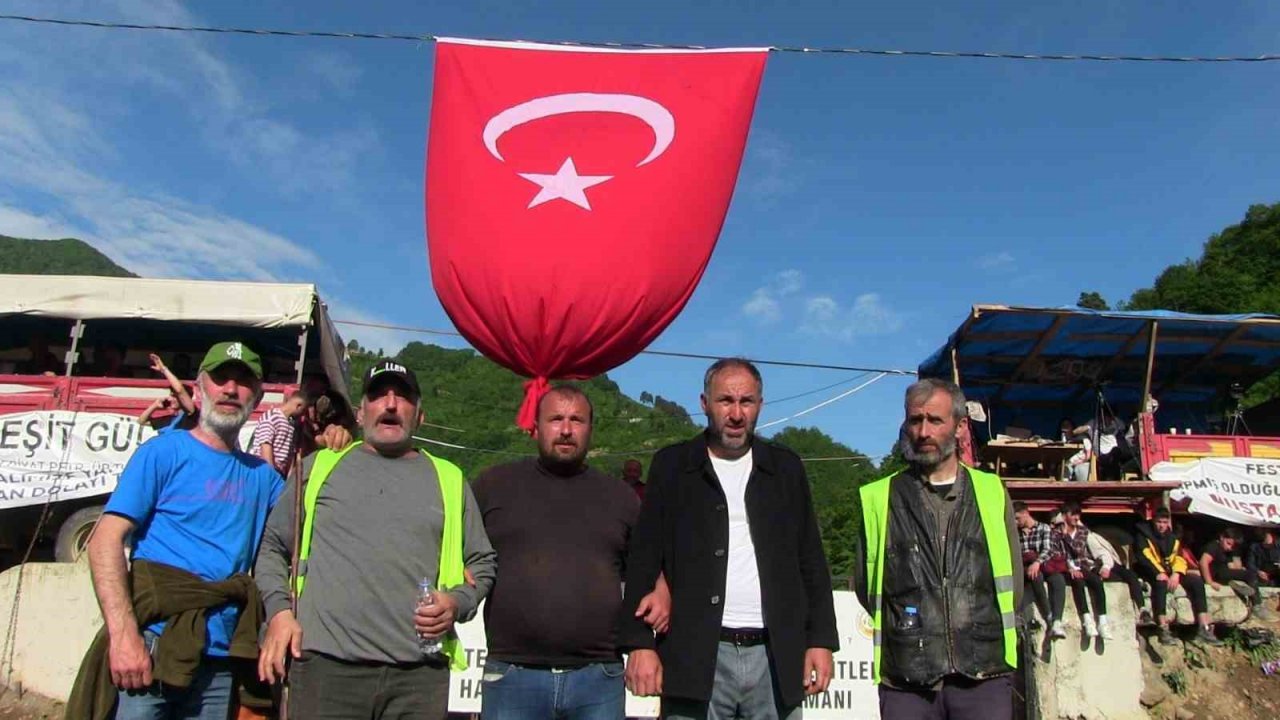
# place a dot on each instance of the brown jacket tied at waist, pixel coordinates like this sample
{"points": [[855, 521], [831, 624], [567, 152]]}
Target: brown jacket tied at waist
{"points": [[163, 592]]}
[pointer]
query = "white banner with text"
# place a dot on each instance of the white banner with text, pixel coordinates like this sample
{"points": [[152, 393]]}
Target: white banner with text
{"points": [[52, 455], [851, 695], [1237, 489]]}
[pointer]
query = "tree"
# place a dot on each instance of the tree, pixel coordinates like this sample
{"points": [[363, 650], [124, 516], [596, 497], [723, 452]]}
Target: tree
{"points": [[1092, 301], [646, 397]]}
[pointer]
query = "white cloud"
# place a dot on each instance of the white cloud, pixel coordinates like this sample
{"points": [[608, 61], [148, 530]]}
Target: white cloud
{"points": [[375, 338], [770, 170], [996, 261], [22, 224], [824, 316], [336, 70], [763, 306]]}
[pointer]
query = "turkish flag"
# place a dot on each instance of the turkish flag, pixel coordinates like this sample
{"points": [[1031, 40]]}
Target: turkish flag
{"points": [[574, 196]]}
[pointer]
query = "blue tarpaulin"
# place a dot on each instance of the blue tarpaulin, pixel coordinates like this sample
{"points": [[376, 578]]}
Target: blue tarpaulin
{"points": [[1031, 367]]}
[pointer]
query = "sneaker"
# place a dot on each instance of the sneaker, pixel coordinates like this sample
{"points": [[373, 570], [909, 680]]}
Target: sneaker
{"points": [[1090, 627], [1205, 636], [1144, 617], [1166, 636], [1034, 625], [1263, 613], [1104, 627], [1242, 589], [1057, 632]]}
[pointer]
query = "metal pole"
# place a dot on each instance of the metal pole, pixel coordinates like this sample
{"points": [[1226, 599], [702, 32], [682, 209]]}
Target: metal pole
{"points": [[302, 354], [77, 331], [1151, 359]]}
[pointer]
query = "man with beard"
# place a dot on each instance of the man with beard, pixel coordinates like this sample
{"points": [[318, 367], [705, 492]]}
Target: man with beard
{"points": [[728, 518], [379, 517], [939, 578], [561, 529], [195, 507]]}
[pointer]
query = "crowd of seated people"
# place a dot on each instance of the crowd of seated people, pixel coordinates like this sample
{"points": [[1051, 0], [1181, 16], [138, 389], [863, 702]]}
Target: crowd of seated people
{"points": [[1065, 553]]}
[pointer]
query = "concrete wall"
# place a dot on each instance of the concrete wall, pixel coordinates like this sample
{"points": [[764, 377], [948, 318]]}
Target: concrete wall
{"points": [[57, 619], [1101, 680]]}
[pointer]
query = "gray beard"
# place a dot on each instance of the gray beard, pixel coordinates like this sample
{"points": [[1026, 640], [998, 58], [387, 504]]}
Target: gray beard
{"points": [[224, 425], [925, 460]]}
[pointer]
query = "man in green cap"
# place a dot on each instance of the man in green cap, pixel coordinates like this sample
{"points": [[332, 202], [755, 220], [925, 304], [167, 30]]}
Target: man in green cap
{"points": [[195, 506]]}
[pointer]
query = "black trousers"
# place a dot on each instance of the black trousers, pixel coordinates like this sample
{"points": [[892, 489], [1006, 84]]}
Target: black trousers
{"points": [[1093, 583], [1160, 592], [1120, 573], [1245, 575], [1049, 591], [959, 698]]}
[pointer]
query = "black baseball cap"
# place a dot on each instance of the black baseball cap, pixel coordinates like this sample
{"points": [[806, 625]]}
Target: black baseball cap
{"points": [[386, 370]]}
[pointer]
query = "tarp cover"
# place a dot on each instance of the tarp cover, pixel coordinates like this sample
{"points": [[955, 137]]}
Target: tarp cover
{"points": [[1032, 366], [79, 297]]}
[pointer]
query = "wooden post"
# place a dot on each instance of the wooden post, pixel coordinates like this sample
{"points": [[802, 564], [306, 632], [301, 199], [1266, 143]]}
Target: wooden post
{"points": [[1151, 359]]}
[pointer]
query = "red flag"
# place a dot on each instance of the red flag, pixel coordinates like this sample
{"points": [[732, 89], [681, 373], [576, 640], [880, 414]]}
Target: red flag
{"points": [[574, 195]]}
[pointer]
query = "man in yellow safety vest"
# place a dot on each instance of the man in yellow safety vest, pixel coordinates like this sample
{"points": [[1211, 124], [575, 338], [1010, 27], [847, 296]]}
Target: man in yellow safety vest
{"points": [[938, 578]]}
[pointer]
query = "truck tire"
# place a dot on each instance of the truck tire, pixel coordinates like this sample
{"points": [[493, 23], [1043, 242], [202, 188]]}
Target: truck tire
{"points": [[73, 535]]}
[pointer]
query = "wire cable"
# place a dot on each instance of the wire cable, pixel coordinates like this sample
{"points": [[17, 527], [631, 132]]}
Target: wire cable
{"points": [[824, 403], [658, 353], [946, 54]]}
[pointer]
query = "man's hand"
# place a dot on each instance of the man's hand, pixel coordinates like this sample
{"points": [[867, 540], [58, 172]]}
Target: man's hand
{"points": [[334, 437], [655, 608], [130, 662], [1076, 575], [818, 666], [156, 363], [1105, 573], [1216, 585], [644, 673], [436, 619], [284, 634], [1264, 576], [1174, 581], [1033, 570]]}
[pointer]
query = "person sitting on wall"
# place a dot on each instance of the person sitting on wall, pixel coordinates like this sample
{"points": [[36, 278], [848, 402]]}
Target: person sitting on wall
{"points": [[1220, 563]]}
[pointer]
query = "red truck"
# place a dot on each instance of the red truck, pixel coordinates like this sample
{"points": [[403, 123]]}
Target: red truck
{"points": [[75, 374]]}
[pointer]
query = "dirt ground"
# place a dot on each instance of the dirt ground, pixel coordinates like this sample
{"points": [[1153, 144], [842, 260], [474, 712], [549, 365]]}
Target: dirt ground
{"points": [[29, 707], [1193, 681]]}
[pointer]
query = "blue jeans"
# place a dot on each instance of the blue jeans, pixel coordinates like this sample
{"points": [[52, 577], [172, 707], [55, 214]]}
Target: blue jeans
{"points": [[207, 698], [745, 687], [515, 692]]}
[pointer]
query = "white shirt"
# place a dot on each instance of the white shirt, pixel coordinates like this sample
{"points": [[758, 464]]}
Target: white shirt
{"points": [[742, 603]]}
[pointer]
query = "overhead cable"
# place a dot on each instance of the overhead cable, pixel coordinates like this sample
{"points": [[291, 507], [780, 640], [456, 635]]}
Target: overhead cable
{"points": [[946, 54], [825, 403], [658, 353]]}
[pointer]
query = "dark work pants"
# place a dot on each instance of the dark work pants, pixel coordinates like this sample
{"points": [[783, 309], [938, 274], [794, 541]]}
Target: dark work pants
{"points": [[324, 688], [1160, 592], [1093, 583], [959, 699], [1120, 573], [1050, 595], [1245, 575]]}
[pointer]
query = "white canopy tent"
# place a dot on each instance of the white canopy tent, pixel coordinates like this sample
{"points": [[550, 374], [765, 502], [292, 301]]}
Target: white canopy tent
{"points": [[232, 303]]}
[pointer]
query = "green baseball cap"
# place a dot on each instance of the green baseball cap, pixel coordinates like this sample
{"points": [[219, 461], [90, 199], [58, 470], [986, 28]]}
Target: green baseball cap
{"points": [[235, 351]]}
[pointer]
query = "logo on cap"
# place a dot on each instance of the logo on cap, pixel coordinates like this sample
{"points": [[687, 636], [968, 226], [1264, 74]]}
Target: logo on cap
{"points": [[391, 367], [235, 350]]}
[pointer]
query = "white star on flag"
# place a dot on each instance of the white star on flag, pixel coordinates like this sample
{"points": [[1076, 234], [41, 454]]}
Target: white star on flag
{"points": [[566, 184]]}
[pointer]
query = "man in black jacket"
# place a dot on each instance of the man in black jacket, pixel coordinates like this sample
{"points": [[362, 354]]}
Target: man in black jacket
{"points": [[728, 518]]}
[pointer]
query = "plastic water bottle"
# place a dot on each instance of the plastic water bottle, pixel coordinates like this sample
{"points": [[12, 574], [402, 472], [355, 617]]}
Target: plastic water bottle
{"points": [[1271, 667], [429, 645], [910, 619]]}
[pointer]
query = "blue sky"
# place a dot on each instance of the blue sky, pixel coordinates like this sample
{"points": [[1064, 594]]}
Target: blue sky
{"points": [[879, 197]]}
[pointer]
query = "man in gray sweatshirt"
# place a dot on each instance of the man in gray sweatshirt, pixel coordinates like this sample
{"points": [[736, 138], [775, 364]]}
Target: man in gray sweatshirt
{"points": [[376, 529]]}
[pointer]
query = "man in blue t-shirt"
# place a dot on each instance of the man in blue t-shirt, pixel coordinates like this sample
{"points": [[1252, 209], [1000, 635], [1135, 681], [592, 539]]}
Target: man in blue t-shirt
{"points": [[193, 501]]}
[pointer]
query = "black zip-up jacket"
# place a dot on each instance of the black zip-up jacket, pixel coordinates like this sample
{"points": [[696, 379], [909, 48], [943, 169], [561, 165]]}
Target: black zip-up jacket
{"points": [[683, 531]]}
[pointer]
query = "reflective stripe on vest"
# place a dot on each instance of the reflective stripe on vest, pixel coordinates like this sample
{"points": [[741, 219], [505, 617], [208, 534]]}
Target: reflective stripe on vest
{"points": [[990, 495], [451, 574]]}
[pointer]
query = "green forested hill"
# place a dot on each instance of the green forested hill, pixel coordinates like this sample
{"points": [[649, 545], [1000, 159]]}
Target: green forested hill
{"points": [[475, 401], [55, 257]]}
